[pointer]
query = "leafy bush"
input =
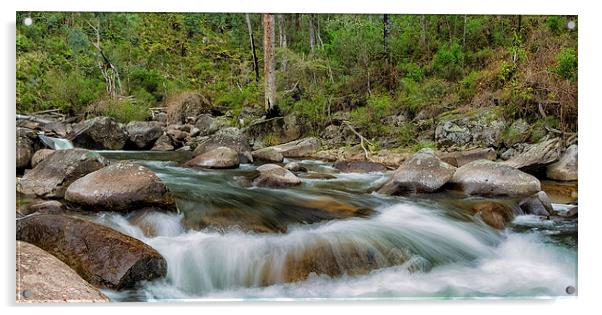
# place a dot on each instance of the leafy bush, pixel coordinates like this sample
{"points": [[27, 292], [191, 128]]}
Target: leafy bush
{"points": [[448, 61], [71, 92], [148, 79], [567, 64], [416, 96], [556, 23], [468, 86], [126, 110], [424, 144], [369, 117]]}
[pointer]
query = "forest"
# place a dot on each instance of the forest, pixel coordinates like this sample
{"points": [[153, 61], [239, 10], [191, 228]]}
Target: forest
{"points": [[370, 68]]}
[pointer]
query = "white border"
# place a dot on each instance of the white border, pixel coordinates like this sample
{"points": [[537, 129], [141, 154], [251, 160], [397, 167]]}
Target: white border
{"points": [[590, 122]]}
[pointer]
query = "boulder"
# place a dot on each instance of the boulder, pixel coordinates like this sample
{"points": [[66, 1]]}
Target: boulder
{"points": [[143, 134], [42, 278], [221, 157], [46, 206], [122, 186], [299, 148], [422, 173], [208, 125], [184, 105], [51, 177], [359, 166], [272, 175], [566, 168], [268, 154], [99, 254], [483, 177], [27, 144], [518, 132], [39, 156], [100, 133], [295, 167], [230, 137], [482, 128], [494, 214], [537, 155], [163, 144], [537, 204], [459, 158], [277, 129]]}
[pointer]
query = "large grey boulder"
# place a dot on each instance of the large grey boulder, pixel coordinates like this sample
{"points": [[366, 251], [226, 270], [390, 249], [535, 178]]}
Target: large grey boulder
{"points": [[43, 278], [537, 155], [230, 137], [483, 177], [208, 125], [268, 154], [483, 128], [299, 148], [422, 173], [102, 256], [537, 204], [51, 177], [272, 175], [221, 157], [100, 133], [143, 134], [122, 186], [566, 168], [459, 158]]}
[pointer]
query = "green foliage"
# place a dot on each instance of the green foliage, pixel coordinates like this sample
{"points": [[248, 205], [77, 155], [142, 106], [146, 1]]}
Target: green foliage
{"points": [[556, 23], [424, 144], [566, 64], [468, 86], [126, 110], [448, 61], [417, 96], [369, 117]]}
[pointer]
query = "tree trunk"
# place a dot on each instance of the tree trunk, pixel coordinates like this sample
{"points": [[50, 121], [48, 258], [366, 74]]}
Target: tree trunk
{"points": [[312, 32], [282, 37], [386, 35], [252, 39], [268, 62]]}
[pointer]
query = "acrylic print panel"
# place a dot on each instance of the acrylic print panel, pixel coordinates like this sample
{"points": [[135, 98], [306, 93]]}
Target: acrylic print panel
{"points": [[193, 156]]}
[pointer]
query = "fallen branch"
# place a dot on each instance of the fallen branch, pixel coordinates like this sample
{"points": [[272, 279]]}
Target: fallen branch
{"points": [[32, 118], [362, 139]]}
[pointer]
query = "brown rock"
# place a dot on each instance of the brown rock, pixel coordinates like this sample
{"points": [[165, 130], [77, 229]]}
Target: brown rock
{"points": [[122, 186], [42, 278], [268, 154], [163, 144], [51, 177], [272, 175], [39, 156], [221, 157], [99, 254], [359, 166], [230, 137], [494, 214]]}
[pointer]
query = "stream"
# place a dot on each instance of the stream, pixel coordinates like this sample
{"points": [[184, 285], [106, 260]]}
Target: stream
{"points": [[232, 241]]}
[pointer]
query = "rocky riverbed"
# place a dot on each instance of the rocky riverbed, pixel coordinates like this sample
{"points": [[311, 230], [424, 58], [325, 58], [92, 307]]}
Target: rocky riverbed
{"points": [[196, 208]]}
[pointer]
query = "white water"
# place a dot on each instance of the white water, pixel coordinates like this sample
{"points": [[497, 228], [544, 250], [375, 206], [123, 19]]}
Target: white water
{"points": [[468, 259], [56, 143]]}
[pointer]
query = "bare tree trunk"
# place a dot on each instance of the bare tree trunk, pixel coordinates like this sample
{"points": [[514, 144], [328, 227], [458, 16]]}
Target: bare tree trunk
{"points": [[107, 69], [282, 37], [252, 39], [312, 32], [268, 62], [449, 30], [386, 35]]}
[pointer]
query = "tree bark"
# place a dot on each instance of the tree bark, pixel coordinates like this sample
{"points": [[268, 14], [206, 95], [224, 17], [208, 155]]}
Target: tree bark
{"points": [[252, 39], [312, 32], [386, 35], [268, 62], [282, 37]]}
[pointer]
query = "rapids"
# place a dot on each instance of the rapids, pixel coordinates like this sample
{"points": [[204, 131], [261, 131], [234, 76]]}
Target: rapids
{"points": [[409, 247]]}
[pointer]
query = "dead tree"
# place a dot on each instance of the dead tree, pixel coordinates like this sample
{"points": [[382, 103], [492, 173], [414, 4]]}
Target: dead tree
{"points": [[268, 62], [107, 69], [252, 40]]}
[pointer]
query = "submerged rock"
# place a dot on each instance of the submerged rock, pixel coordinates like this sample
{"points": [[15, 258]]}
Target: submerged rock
{"points": [[272, 175], [295, 167], [424, 172], [42, 278], [566, 169], [39, 156], [221, 157], [299, 148], [232, 138], [537, 204], [51, 177], [143, 134], [359, 166], [495, 214], [100, 133], [123, 186], [99, 254], [268, 154], [483, 177]]}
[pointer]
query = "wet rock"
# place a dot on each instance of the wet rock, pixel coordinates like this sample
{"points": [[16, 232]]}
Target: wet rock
{"points": [[299, 148], [99, 254], [230, 137], [495, 214], [143, 134], [163, 144], [272, 175], [39, 156], [566, 169], [459, 158], [47, 207], [221, 157], [100, 133], [359, 166], [537, 204], [483, 177], [295, 167], [424, 172], [268, 154], [561, 192], [537, 155], [42, 278], [122, 186], [51, 177], [568, 211]]}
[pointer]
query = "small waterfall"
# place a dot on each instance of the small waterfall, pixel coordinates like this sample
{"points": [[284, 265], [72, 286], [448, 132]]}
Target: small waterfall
{"points": [[56, 143]]}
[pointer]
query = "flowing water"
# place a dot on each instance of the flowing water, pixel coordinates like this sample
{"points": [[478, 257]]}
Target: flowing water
{"points": [[233, 241]]}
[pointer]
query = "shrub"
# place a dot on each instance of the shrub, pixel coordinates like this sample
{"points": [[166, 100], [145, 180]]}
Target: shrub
{"points": [[448, 61], [71, 92], [148, 79], [566, 64], [370, 116], [424, 144], [126, 110]]}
